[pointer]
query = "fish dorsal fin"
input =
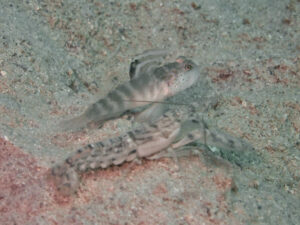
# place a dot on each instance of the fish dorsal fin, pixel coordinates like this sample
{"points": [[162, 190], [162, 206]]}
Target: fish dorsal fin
{"points": [[146, 62]]}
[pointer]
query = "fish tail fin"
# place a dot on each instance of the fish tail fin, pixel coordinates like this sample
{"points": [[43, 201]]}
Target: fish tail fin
{"points": [[76, 123]]}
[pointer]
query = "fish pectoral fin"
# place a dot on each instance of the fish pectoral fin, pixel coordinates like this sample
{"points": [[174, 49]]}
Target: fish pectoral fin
{"points": [[151, 114]]}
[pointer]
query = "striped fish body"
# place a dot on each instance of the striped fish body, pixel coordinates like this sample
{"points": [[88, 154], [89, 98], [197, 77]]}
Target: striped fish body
{"points": [[143, 89]]}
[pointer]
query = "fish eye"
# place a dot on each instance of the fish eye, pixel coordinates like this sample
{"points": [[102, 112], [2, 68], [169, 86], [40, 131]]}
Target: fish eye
{"points": [[188, 67]]}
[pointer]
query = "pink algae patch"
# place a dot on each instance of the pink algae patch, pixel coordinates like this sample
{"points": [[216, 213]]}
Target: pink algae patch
{"points": [[22, 194]]}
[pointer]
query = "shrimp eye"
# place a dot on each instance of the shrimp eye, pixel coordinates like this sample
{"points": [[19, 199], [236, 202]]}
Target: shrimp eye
{"points": [[188, 67]]}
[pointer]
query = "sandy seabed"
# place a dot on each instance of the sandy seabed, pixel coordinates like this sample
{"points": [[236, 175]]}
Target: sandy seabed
{"points": [[57, 57]]}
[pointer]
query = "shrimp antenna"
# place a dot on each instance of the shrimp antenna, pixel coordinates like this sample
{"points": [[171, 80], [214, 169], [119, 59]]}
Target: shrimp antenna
{"points": [[168, 103]]}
